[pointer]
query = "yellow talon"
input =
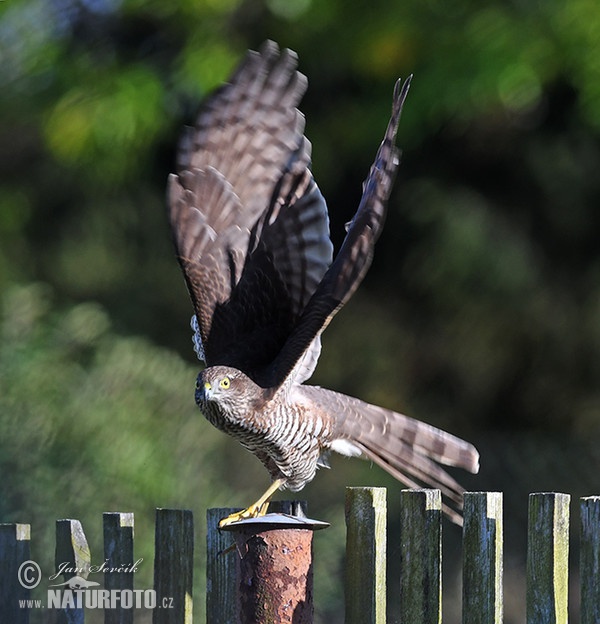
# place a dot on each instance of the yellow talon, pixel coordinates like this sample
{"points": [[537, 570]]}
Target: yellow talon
{"points": [[253, 511], [257, 509]]}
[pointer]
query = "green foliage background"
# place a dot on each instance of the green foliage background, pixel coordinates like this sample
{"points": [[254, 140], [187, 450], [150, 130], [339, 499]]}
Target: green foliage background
{"points": [[481, 313]]}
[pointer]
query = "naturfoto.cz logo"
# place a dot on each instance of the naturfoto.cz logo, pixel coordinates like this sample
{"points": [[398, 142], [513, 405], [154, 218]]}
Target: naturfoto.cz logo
{"points": [[78, 592]]}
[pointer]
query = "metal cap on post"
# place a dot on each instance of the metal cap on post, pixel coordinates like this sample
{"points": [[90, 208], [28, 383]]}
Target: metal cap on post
{"points": [[275, 581]]}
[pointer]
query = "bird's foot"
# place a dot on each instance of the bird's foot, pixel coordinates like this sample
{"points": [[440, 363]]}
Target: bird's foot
{"points": [[253, 511], [257, 509]]}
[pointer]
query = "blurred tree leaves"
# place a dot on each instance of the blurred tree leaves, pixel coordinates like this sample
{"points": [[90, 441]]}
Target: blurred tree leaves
{"points": [[120, 114]]}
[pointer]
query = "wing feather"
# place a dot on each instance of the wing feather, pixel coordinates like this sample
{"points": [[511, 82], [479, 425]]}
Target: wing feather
{"points": [[410, 450], [355, 255], [249, 224]]}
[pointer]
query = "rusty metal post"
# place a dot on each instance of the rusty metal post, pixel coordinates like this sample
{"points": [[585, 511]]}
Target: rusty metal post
{"points": [[275, 584]]}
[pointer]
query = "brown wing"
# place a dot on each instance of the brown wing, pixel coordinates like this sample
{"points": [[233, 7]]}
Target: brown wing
{"points": [[410, 450], [249, 224], [355, 254]]}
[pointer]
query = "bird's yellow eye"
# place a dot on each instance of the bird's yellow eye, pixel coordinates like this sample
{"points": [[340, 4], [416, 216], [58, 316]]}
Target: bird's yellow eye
{"points": [[225, 383]]}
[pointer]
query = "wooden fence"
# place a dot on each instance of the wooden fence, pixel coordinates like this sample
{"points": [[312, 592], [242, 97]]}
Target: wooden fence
{"points": [[419, 583]]}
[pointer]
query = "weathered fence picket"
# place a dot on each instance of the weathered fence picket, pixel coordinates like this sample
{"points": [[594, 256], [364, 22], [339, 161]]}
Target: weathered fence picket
{"points": [[14, 555], [589, 559], [548, 558], [419, 582], [482, 558], [420, 541], [366, 517], [72, 560], [222, 572], [173, 566], [119, 562]]}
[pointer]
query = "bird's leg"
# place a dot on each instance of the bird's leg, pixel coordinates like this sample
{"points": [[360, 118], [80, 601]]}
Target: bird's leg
{"points": [[259, 508]]}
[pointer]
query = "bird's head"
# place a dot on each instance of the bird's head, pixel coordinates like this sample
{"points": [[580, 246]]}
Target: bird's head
{"points": [[225, 386]]}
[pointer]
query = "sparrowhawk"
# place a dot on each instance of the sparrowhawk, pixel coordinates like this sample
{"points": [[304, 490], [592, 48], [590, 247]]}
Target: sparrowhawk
{"points": [[251, 232]]}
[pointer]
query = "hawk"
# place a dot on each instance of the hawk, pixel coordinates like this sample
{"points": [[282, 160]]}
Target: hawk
{"points": [[251, 232]]}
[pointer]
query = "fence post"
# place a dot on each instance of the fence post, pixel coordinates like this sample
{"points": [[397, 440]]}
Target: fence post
{"points": [[365, 587], [589, 560], [222, 570], [118, 556], [14, 552], [420, 556], [548, 558], [482, 558], [269, 573], [73, 557], [173, 566], [223, 561]]}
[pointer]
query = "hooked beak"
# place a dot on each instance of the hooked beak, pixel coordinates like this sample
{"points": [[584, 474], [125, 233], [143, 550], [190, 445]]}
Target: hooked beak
{"points": [[205, 392]]}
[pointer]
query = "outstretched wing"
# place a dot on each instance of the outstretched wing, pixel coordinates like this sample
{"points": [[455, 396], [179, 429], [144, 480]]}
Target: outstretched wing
{"points": [[249, 224], [410, 450], [355, 255]]}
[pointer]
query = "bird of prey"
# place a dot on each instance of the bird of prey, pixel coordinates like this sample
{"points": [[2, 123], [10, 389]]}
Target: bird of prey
{"points": [[251, 232]]}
